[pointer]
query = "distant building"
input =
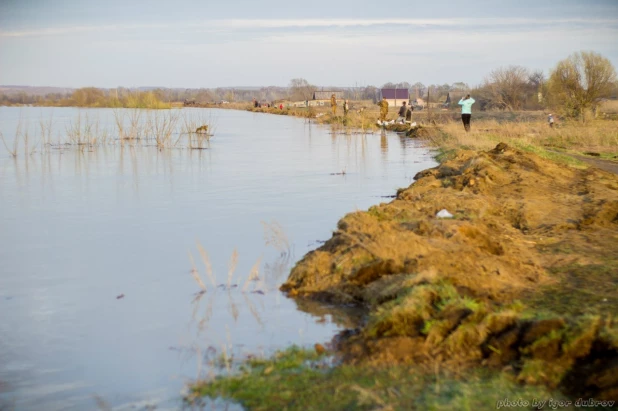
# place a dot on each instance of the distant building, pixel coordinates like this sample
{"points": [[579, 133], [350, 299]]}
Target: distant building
{"points": [[326, 95], [395, 96]]}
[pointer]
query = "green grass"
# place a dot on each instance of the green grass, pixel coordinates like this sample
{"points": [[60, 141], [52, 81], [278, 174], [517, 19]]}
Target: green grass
{"points": [[584, 290], [298, 379], [552, 155]]}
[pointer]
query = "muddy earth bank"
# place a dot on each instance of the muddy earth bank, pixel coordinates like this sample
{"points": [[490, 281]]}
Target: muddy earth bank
{"points": [[523, 279]]}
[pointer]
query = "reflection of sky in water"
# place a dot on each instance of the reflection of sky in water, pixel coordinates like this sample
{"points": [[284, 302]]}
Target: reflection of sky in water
{"points": [[80, 227]]}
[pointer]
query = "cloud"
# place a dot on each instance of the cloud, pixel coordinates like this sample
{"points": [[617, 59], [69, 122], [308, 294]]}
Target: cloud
{"points": [[50, 31], [270, 24]]}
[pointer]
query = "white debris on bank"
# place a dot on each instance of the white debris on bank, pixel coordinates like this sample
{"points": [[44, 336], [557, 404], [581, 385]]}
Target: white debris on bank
{"points": [[444, 214]]}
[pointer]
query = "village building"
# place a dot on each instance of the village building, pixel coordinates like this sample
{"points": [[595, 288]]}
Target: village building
{"points": [[395, 96]]}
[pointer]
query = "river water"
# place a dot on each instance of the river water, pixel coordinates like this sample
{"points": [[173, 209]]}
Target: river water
{"points": [[100, 247]]}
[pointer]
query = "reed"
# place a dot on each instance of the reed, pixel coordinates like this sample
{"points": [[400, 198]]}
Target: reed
{"points": [[207, 264], [162, 126], [46, 129], [12, 152], [195, 274], [119, 121], [254, 275], [198, 130], [129, 125], [231, 268], [23, 133], [135, 124], [274, 235]]}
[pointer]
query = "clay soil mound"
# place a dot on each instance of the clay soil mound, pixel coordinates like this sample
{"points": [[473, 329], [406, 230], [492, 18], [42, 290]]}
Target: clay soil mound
{"points": [[523, 276]]}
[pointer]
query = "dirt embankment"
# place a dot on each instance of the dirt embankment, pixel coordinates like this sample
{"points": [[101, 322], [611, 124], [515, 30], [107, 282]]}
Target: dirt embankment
{"points": [[523, 278]]}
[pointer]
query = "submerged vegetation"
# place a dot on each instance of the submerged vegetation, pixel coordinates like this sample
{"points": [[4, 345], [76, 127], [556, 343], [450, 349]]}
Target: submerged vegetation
{"points": [[161, 128]]}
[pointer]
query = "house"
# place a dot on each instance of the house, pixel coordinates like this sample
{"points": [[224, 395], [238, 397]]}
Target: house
{"points": [[395, 96]]}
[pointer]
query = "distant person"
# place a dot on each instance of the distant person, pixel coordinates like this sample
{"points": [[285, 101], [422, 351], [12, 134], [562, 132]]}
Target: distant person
{"points": [[346, 108], [466, 111], [402, 113], [333, 104], [383, 109], [281, 106], [255, 103], [550, 120], [409, 114]]}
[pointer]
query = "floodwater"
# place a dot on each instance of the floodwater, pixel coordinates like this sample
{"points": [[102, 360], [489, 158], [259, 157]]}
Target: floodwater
{"points": [[100, 247]]}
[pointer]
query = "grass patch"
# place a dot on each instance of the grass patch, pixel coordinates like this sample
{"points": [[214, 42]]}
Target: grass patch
{"points": [[552, 155], [298, 379], [584, 290], [599, 136]]}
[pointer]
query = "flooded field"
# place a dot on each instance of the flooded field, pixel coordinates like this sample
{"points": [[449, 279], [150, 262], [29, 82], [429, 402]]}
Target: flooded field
{"points": [[129, 266]]}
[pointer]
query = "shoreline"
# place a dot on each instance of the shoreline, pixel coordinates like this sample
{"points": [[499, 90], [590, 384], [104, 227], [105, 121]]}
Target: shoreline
{"points": [[503, 288]]}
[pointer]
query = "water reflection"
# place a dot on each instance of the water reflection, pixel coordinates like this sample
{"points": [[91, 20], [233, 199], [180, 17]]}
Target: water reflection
{"points": [[384, 145], [83, 223]]}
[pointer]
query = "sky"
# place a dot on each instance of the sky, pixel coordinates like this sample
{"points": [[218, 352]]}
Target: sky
{"points": [[205, 43]]}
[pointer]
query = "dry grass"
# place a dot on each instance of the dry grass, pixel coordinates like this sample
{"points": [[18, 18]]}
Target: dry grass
{"points": [[254, 275], [83, 131], [274, 235], [609, 107], [46, 128], [195, 273], [13, 151], [22, 133], [162, 125], [198, 129], [596, 136], [231, 267], [131, 131], [207, 264]]}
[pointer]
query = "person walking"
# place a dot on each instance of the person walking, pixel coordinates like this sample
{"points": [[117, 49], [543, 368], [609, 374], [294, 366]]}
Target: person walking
{"points": [[383, 109], [466, 111], [346, 108], [550, 120], [402, 113], [333, 104]]}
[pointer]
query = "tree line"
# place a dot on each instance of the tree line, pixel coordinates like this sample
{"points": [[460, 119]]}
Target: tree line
{"points": [[574, 86]]}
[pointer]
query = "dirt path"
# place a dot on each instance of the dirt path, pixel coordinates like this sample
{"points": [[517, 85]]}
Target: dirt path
{"points": [[606, 165]]}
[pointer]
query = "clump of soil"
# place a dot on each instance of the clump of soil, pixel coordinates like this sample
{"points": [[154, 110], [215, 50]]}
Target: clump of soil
{"points": [[478, 289]]}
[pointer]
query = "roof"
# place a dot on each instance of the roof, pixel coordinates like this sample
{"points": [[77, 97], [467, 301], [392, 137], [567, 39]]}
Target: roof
{"points": [[325, 95], [395, 93]]}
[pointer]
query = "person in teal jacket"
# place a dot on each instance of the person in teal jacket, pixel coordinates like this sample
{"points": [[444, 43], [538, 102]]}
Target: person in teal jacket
{"points": [[466, 111]]}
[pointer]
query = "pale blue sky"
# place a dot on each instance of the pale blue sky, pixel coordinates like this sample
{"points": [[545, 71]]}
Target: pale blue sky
{"points": [[263, 42]]}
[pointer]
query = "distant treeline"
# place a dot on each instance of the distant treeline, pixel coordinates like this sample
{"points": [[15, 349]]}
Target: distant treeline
{"points": [[576, 84], [89, 97]]}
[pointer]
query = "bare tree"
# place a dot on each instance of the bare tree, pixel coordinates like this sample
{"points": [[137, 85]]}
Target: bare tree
{"points": [[579, 81], [460, 86], [536, 79], [507, 87], [300, 89]]}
